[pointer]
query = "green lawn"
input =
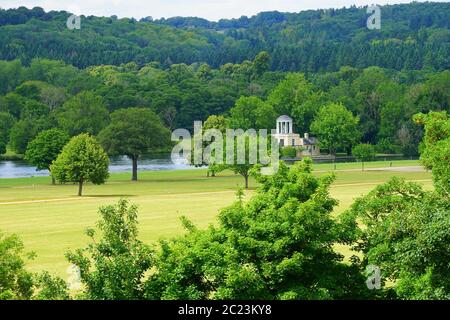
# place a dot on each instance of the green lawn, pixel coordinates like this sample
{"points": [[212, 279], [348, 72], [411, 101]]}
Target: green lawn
{"points": [[51, 219]]}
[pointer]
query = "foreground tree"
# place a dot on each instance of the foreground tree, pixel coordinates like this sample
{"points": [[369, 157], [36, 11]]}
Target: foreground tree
{"points": [[406, 234], [279, 245], [45, 148], [436, 148], [133, 132], [405, 230], [81, 160], [364, 152], [16, 283], [114, 266], [336, 127]]}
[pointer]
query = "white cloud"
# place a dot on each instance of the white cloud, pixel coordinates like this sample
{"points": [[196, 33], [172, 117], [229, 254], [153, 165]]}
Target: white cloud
{"points": [[210, 9]]}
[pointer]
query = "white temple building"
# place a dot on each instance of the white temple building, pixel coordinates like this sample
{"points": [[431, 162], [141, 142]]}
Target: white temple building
{"points": [[307, 146]]}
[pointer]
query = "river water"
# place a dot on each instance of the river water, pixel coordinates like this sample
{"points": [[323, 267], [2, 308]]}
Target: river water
{"points": [[20, 169]]}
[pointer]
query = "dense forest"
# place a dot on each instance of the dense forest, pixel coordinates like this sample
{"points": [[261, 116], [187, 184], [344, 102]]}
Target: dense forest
{"points": [[413, 36], [50, 94], [187, 69], [70, 98]]}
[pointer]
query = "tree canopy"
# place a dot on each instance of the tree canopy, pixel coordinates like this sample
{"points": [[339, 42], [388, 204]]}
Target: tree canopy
{"points": [[82, 160], [45, 148], [133, 132], [336, 127], [363, 152]]}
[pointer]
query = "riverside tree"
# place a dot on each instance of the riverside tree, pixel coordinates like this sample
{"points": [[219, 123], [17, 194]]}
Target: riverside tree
{"points": [[363, 152], [45, 148], [133, 132], [81, 160], [6, 123]]}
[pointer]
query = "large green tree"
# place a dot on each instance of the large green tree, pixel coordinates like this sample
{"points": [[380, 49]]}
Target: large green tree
{"points": [[133, 132], [82, 160], [115, 265], [16, 283], [405, 231], [252, 113], [84, 113], [436, 148], [296, 97], [278, 245], [336, 127], [45, 148]]}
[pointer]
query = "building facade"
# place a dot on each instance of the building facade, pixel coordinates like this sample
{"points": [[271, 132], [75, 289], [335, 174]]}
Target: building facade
{"points": [[307, 146]]}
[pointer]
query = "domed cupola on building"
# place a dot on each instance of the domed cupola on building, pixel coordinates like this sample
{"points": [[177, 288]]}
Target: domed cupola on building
{"points": [[307, 146]]}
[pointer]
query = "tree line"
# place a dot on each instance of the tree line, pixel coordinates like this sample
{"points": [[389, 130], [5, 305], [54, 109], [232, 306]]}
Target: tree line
{"points": [[413, 36], [374, 105]]}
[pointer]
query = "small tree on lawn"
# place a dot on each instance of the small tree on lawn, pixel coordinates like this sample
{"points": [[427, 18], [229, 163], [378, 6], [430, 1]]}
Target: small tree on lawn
{"points": [[245, 167], [364, 152], [81, 160], [45, 148], [214, 123], [133, 132]]}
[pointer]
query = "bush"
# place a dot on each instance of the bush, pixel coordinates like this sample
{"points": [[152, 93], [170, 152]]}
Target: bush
{"points": [[386, 146], [289, 152]]}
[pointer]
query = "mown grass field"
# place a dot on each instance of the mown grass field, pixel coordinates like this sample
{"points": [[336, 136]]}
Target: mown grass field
{"points": [[52, 219]]}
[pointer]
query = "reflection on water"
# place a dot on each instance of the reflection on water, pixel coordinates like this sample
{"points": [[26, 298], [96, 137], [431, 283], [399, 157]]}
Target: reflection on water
{"points": [[18, 169]]}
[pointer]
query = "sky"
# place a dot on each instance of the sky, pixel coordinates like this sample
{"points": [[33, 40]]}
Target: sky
{"points": [[210, 9]]}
